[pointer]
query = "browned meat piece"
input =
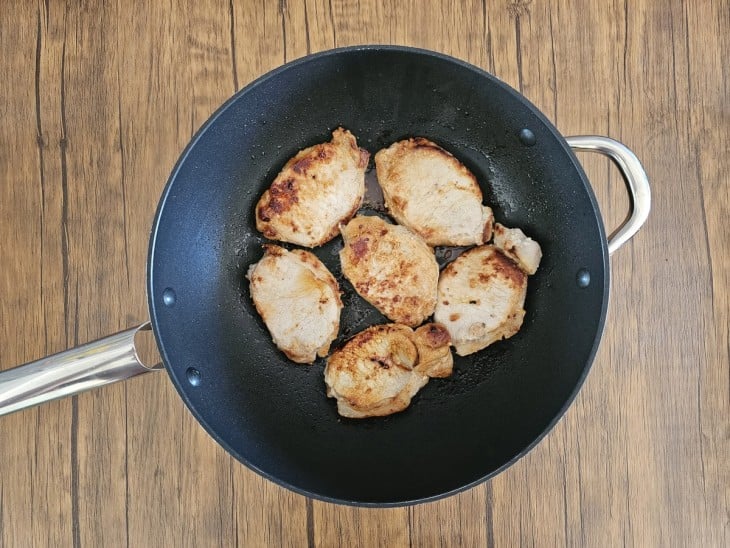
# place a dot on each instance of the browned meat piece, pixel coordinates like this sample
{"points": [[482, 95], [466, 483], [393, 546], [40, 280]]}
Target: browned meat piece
{"points": [[524, 251], [380, 369], [390, 267], [321, 187], [480, 298], [432, 193], [299, 301]]}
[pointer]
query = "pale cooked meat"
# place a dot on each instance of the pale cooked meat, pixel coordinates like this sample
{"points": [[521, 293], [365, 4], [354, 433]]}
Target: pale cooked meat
{"points": [[299, 301], [390, 267], [373, 375], [434, 350], [481, 295], [523, 250], [319, 188], [380, 369], [431, 192]]}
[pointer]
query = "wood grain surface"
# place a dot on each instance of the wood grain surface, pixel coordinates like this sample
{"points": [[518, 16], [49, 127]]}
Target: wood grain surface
{"points": [[98, 99]]}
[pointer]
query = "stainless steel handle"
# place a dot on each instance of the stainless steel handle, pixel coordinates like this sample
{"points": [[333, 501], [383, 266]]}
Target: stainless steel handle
{"points": [[94, 364], [635, 177]]}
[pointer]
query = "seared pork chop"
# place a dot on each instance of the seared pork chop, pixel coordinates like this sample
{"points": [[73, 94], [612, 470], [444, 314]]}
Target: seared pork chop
{"points": [[432, 193], [390, 267], [319, 188], [434, 350], [380, 369], [523, 250], [480, 298], [299, 301]]}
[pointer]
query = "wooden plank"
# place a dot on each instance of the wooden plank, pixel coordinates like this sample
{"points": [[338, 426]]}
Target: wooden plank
{"points": [[708, 97], [34, 445], [94, 281], [155, 116], [335, 525]]}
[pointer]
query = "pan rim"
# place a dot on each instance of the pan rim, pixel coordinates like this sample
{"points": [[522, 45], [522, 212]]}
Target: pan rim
{"points": [[153, 307]]}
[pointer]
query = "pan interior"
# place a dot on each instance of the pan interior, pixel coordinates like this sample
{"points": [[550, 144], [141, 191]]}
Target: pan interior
{"points": [[273, 415]]}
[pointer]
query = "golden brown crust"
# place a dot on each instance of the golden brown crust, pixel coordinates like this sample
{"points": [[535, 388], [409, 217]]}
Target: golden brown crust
{"points": [[380, 369], [316, 190], [434, 350], [376, 364], [500, 265], [488, 230], [431, 192], [390, 267], [525, 251], [278, 199], [434, 335], [480, 298]]}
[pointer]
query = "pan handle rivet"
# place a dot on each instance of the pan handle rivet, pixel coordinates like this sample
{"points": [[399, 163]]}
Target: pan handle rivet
{"points": [[193, 376], [527, 137], [168, 297], [583, 278]]}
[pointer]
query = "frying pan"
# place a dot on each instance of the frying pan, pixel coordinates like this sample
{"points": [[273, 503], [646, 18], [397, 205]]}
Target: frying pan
{"points": [[273, 415]]}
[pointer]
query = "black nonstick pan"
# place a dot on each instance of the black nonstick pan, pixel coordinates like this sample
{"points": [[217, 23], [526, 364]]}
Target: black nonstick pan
{"points": [[273, 415]]}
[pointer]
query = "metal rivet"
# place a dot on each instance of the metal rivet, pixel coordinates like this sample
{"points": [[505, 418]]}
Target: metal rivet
{"points": [[193, 375], [168, 297], [527, 137], [583, 278]]}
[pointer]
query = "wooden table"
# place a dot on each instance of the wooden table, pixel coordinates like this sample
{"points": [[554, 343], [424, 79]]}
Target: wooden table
{"points": [[96, 105]]}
